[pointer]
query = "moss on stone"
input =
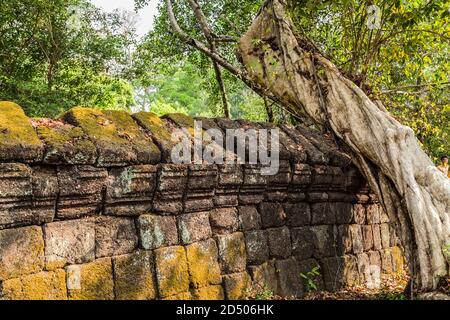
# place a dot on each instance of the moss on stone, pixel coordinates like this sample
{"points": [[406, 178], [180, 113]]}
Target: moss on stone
{"points": [[182, 120], [118, 138], [91, 281], [65, 144], [18, 140], [39, 286], [171, 271], [203, 266], [209, 293]]}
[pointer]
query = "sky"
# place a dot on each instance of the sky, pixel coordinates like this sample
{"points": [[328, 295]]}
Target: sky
{"points": [[146, 15]]}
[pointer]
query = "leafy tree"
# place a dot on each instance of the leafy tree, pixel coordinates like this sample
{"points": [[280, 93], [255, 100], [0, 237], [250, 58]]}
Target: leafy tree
{"points": [[64, 53]]}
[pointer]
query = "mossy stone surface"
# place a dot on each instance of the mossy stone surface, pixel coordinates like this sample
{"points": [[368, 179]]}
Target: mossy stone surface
{"points": [[202, 259], [39, 286], [21, 252], [91, 281], [133, 276], [118, 138], [171, 271], [65, 144], [18, 140], [209, 293], [160, 130]]}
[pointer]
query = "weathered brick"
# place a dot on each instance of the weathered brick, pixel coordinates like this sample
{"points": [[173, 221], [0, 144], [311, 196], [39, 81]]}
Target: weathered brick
{"points": [[114, 236], [224, 220], [249, 218], [38, 286], [333, 273], [133, 276], [171, 271], [21, 252], [157, 231], [272, 214], [279, 242], [194, 227], [69, 242], [256, 245], [91, 281], [202, 259], [232, 253], [298, 214], [342, 211], [373, 214]]}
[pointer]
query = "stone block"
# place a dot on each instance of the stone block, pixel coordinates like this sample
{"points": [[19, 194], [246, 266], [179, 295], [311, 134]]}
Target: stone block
{"points": [[264, 277], [171, 271], [385, 235], [209, 293], [289, 279], [367, 237], [342, 212], [237, 286], [359, 213], [38, 286], [343, 240], [306, 268], [298, 214], [21, 252], [157, 231], [279, 242], [357, 238], [224, 220], [202, 181], [80, 191], [65, 143], [302, 242], [202, 259], [194, 227], [323, 239], [91, 281], [18, 141], [373, 214], [272, 214], [321, 213], [256, 246], [249, 218], [117, 137], [333, 273], [114, 236], [133, 276], [129, 190], [377, 244], [26, 196], [69, 242], [232, 253], [170, 190]]}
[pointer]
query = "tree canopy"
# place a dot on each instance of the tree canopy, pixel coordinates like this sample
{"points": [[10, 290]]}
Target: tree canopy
{"points": [[67, 52]]}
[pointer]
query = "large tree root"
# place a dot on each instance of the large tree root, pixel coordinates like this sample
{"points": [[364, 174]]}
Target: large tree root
{"points": [[414, 193]]}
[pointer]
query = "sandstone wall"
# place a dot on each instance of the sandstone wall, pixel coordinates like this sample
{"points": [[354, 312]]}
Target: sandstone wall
{"points": [[91, 208]]}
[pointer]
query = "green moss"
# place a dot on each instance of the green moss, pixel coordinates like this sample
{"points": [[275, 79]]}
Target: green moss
{"points": [[152, 123], [18, 140], [117, 136]]}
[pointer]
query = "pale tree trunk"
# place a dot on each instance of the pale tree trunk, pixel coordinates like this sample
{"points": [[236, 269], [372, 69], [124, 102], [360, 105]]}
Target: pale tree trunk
{"points": [[413, 192]]}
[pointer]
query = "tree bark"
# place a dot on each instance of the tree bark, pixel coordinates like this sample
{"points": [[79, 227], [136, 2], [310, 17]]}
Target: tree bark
{"points": [[413, 192]]}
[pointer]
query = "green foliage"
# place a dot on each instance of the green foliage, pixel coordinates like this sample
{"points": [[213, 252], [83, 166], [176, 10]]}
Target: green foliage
{"points": [[57, 54], [310, 279], [265, 294]]}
